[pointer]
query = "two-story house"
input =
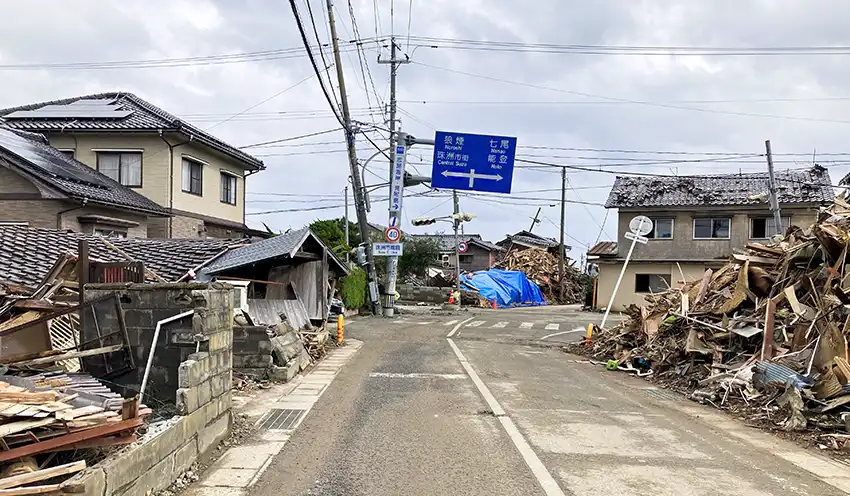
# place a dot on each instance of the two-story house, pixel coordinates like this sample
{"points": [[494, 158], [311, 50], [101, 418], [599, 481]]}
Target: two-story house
{"points": [[479, 255], [199, 179], [40, 187], [697, 223]]}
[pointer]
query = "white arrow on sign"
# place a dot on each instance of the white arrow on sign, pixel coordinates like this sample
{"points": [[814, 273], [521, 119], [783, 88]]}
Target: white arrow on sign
{"points": [[472, 176]]}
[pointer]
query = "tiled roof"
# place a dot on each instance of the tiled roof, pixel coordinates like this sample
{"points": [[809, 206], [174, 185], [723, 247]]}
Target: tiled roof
{"points": [[800, 186], [446, 242], [144, 116], [27, 254], [28, 152], [603, 249], [284, 245]]}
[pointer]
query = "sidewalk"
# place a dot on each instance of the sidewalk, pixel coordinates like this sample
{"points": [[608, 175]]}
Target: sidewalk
{"points": [[279, 412]]}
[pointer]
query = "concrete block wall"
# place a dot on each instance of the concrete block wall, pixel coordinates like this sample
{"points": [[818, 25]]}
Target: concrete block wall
{"points": [[252, 350], [428, 294], [146, 304]]}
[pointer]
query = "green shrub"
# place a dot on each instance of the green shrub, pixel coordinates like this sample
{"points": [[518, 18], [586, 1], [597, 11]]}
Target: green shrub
{"points": [[353, 288]]}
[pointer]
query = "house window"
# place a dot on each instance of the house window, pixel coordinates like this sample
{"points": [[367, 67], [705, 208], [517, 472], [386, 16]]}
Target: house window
{"points": [[652, 283], [110, 233], [712, 228], [193, 174], [466, 258], [661, 229], [124, 167], [228, 188], [765, 227]]}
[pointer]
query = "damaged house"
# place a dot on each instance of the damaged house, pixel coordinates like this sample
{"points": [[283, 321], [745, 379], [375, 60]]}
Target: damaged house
{"points": [[698, 222]]}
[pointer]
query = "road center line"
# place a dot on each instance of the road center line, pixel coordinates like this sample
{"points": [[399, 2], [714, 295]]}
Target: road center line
{"points": [[453, 331], [416, 375], [562, 332], [541, 473]]}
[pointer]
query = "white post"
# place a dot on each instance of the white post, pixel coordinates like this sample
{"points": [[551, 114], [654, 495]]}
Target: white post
{"points": [[620, 279]]}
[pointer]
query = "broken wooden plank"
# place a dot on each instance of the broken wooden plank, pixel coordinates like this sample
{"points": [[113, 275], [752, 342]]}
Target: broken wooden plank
{"points": [[40, 475], [68, 356], [767, 342], [755, 259], [78, 412], [130, 408], [29, 397], [777, 252], [68, 440], [23, 425], [25, 491]]}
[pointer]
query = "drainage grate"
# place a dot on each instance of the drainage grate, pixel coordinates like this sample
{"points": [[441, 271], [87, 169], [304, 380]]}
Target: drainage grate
{"points": [[661, 394], [278, 418]]}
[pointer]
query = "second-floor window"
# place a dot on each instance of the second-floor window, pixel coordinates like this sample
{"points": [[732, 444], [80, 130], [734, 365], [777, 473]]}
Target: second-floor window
{"points": [[228, 188], [712, 228], [124, 167], [661, 229], [193, 177], [765, 227]]}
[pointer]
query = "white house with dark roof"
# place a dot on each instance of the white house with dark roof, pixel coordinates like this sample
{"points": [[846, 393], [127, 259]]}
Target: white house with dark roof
{"points": [[196, 177], [698, 222]]}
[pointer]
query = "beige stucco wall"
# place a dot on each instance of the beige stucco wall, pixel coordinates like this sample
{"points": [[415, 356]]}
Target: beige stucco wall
{"points": [[683, 246], [626, 294], [12, 182], [156, 162]]}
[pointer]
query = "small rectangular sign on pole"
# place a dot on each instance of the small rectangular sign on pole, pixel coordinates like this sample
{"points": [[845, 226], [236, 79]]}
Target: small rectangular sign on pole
{"points": [[397, 183], [388, 249], [637, 238]]}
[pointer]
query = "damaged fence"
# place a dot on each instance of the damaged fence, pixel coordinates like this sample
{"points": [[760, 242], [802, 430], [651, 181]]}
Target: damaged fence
{"points": [[764, 336]]}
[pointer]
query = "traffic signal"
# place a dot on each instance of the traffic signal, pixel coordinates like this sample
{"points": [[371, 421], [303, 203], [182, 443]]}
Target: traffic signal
{"points": [[423, 221]]}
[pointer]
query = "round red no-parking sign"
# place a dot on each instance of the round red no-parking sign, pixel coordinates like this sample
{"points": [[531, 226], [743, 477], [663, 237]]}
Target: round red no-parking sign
{"points": [[462, 247]]}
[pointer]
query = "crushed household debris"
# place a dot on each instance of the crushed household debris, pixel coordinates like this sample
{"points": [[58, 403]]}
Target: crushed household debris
{"points": [[541, 267], [764, 336]]}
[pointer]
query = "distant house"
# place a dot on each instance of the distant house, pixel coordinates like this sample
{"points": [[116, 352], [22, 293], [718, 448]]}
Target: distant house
{"points": [[199, 179], [41, 187], [480, 254], [526, 239], [698, 222]]}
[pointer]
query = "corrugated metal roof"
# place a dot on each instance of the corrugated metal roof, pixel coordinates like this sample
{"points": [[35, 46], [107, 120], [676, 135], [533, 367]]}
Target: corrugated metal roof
{"points": [[807, 186], [144, 117], [604, 249]]}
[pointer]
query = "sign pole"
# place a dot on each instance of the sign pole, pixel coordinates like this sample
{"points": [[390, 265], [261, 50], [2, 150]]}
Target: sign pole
{"points": [[396, 196], [457, 242], [622, 272]]}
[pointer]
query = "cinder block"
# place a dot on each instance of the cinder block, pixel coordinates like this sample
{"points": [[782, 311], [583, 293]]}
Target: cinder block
{"points": [[212, 434], [185, 456], [91, 481], [136, 317], [189, 374], [188, 400], [154, 479], [204, 393]]}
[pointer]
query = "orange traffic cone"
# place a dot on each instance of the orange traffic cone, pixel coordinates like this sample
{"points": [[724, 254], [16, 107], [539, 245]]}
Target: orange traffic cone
{"points": [[452, 298], [494, 303]]}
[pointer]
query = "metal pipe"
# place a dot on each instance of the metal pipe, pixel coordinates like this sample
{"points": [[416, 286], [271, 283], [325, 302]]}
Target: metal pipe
{"points": [[153, 348]]}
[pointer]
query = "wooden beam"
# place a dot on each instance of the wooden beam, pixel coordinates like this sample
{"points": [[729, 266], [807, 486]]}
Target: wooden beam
{"points": [[68, 440], [68, 356], [25, 491], [40, 475]]}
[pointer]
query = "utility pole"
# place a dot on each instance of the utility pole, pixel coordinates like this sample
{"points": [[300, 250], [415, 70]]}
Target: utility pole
{"points": [[457, 241], [347, 241], [357, 186], [395, 142], [535, 221], [561, 244], [774, 200]]}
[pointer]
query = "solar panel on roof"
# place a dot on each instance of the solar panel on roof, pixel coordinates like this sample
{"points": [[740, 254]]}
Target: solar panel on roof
{"points": [[42, 158], [80, 109]]}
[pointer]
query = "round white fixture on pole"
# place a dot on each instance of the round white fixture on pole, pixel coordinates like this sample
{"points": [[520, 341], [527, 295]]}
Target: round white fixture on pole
{"points": [[640, 225]]}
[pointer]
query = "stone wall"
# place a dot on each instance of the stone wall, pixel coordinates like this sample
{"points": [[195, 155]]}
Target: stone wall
{"points": [[199, 382], [252, 350], [277, 353], [428, 294]]}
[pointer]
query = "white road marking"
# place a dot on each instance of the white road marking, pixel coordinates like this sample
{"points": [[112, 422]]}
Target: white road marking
{"points": [[416, 375], [499, 325], [562, 332], [552, 327], [425, 322], [450, 323], [526, 325], [453, 331], [547, 482], [475, 324]]}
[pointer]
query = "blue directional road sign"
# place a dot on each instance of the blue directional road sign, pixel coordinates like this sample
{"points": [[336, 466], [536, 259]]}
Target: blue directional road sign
{"points": [[473, 162]]}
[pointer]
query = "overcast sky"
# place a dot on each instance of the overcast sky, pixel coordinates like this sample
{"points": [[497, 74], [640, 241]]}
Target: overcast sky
{"points": [[722, 94]]}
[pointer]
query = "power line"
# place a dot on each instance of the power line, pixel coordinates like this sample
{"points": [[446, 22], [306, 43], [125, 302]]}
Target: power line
{"points": [[635, 102], [319, 46], [409, 20], [587, 102], [282, 140]]}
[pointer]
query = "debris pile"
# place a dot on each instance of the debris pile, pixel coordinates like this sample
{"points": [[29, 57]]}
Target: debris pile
{"points": [[765, 336], [541, 267]]}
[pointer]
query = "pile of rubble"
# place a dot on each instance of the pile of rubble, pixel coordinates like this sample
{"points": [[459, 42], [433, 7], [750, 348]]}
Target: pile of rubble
{"points": [[541, 267], [764, 336]]}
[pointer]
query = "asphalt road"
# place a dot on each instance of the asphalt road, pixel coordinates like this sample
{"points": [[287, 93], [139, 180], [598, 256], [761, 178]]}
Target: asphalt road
{"points": [[507, 413]]}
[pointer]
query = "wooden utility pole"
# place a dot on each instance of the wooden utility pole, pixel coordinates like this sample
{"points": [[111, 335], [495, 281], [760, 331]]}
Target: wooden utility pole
{"points": [[356, 183], [563, 222], [774, 200]]}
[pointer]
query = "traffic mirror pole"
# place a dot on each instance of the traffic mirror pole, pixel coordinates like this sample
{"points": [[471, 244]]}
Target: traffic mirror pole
{"points": [[637, 231]]}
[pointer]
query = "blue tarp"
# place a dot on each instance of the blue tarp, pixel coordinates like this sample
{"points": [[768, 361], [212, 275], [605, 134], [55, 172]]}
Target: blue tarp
{"points": [[509, 288]]}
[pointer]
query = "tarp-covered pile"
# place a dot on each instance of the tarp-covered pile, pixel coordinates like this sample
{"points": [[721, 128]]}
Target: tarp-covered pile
{"points": [[507, 288], [764, 336], [541, 267]]}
